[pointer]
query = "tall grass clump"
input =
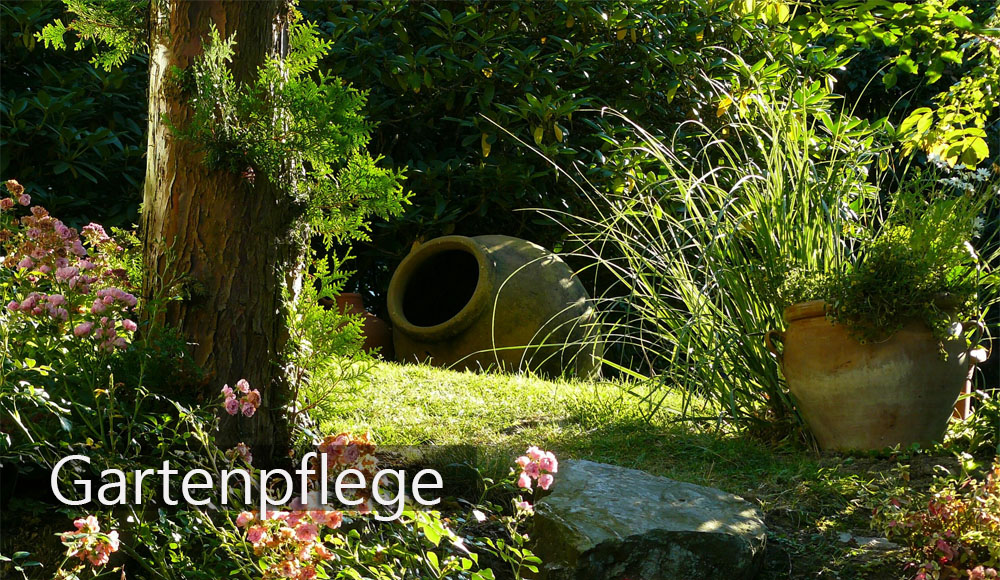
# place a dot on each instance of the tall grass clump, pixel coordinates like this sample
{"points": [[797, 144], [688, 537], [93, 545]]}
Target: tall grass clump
{"points": [[691, 254]]}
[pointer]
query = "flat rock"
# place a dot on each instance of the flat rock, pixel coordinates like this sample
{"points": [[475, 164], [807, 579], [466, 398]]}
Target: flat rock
{"points": [[882, 544], [602, 522]]}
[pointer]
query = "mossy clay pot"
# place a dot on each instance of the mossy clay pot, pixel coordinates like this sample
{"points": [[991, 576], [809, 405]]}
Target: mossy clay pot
{"points": [[492, 302]]}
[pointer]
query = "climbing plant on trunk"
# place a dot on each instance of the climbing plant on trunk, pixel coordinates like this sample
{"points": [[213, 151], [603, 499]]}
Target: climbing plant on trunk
{"points": [[251, 151]]}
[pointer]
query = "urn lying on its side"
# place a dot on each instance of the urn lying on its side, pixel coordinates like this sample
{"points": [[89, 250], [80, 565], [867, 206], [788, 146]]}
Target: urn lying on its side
{"points": [[492, 302]]}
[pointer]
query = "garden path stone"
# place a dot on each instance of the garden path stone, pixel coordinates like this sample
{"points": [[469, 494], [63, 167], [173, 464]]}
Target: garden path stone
{"points": [[602, 522]]}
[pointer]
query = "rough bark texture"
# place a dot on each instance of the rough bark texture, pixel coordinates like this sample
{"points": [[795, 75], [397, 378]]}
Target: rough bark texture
{"points": [[233, 245]]}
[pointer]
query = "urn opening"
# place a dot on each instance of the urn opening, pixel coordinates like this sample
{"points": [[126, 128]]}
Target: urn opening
{"points": [[440, 287]]}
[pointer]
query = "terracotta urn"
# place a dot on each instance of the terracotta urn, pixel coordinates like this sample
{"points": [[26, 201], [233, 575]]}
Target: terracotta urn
{"points": [[377, 333], [869, 396], [492, 302]]}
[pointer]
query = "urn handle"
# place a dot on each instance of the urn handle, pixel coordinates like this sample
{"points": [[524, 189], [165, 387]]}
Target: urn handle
{"points": [[772, 337], [977, 354]]}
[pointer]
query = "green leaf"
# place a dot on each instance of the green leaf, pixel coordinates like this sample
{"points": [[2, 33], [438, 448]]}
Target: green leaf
{"points": [[975, 150], [906, 64], [432, 559], [952, 56], [960, 20]]}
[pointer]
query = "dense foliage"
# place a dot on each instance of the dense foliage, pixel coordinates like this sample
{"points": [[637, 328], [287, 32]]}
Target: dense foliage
{"points": [[919, 262], [478, 100], [944, 53], [697, 160], [954, 534], [73, 134], [306, 134]]}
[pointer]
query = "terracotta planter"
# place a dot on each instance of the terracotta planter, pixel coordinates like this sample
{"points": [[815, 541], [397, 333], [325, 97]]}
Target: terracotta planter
{"points": [[869, 396], [492, 302], [377, 333]]}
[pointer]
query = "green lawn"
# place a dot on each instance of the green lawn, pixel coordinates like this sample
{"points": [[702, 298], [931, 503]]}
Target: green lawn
{"points": [[808, 499], [410, 405]]}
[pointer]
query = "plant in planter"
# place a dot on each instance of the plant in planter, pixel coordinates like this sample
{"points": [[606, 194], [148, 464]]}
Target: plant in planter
{"points": [[878, 350]]}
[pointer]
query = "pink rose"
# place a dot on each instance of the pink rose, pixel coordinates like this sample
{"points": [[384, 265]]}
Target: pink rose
{"points": [[525, 506], [13, 306], [277, 515], [56, 299], [535, 453], [253, 397], [243, 386], [532, 470], [30, 302], [63, 274], [306, 532], [545, 480], [113, 542], [323, 553], [247, 409], [524, 482], [96, 231], [549, 462], [129, 325], [523, 461], [244, 518], [25, 263], [227, 391], [232, 406], [6, 203], [255, 535], [334, 519], [25, 199]]}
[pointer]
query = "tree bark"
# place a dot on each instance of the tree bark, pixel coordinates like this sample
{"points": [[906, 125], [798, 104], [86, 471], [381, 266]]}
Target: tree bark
{"points": [[232, 244]]}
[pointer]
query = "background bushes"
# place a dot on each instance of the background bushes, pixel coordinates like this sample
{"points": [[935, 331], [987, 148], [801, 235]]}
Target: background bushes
{"points": [[453, 87], [72, 134]]}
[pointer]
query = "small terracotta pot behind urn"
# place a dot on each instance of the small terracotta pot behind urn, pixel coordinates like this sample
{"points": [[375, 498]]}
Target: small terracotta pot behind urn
{"points": [[375, 330]]}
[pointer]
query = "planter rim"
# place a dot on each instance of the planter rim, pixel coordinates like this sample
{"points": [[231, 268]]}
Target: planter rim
{"points": [[800, 310], [467, 315]]}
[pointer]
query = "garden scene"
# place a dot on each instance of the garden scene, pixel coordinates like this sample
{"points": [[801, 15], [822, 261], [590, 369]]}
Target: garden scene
{"points": [[536, 289]]}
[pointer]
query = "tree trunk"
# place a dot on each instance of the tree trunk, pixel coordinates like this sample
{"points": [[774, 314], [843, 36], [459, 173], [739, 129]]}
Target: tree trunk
{"points": [[232, 244]]}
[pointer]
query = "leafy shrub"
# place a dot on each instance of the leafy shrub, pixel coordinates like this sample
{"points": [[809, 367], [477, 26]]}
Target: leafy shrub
{"points": [[67, 308], [74, 135], [942, 49], [919, 263], [455, 87], [954, 534], [978, 434]]}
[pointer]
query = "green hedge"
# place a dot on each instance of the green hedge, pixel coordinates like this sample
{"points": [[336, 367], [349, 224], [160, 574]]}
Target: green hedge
{"points": [[74, 136], [447, 81]]}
